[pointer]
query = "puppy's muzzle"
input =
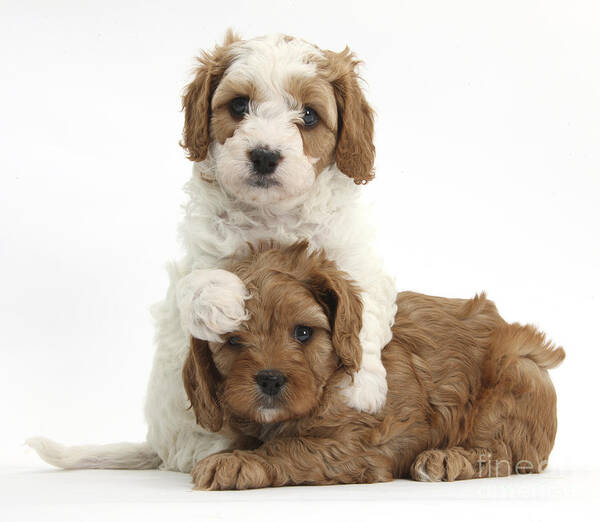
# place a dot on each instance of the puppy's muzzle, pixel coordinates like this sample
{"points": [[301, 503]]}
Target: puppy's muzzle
{"points": [[264, 161], [270, 382]]}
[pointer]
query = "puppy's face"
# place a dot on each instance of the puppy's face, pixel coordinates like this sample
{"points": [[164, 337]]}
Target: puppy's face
{"points": [[275, 367], [272, 113], [304, 323]]}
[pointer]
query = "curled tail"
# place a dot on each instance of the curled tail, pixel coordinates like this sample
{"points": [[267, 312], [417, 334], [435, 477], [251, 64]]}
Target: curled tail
{"points": [[122, 455], [534, 345]]}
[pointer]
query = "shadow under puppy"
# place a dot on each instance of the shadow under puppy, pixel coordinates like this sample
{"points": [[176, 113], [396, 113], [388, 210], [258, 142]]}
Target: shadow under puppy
{"points": [[469, 394]]}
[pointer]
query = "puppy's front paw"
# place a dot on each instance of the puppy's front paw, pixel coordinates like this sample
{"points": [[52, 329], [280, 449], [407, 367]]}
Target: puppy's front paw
{"points": [[238, 470], [367, 392], [211, 303]]}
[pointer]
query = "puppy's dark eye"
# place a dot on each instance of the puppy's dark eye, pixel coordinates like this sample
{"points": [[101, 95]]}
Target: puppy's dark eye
{"points": [[239, 107], [234, 341], [302, 333], [310, 117]]}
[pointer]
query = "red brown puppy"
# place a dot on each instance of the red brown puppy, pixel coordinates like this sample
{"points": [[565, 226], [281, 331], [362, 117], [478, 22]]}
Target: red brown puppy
{"points": [[469, 394]]}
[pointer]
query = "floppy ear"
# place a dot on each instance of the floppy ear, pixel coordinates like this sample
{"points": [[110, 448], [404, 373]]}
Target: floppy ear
{"points": [[200, 380], [198, 96], [341, 299], [355, 151]]}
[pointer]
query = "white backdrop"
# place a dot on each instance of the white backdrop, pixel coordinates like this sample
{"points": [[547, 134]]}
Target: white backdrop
{"points": [[488, 178]]}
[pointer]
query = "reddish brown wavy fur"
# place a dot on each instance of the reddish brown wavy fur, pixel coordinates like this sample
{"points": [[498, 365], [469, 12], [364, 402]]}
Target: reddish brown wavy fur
{"points": [[469, 394]]}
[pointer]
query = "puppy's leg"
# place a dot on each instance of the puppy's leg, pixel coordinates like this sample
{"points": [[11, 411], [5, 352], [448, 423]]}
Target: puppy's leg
{"points": [[458, 463], [293, 461], [368, 389]]}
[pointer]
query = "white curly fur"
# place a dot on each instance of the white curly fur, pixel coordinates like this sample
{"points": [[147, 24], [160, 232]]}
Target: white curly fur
{"points": [[211, 303], [223, 215]]}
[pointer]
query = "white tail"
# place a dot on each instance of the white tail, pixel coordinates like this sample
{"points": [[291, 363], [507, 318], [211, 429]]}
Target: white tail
{"points": [[122, 455]]}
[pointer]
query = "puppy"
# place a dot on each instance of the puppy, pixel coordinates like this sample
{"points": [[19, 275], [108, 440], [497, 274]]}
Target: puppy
{"points": [[469, 394], [281, 137]]}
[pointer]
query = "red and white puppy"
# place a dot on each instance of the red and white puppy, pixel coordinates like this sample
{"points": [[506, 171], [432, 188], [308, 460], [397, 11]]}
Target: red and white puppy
{"points": [[281, 138]]}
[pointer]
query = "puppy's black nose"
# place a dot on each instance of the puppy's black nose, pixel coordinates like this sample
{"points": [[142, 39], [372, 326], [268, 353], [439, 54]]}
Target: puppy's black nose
{"points": [[270, 381], [264, 161]]}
